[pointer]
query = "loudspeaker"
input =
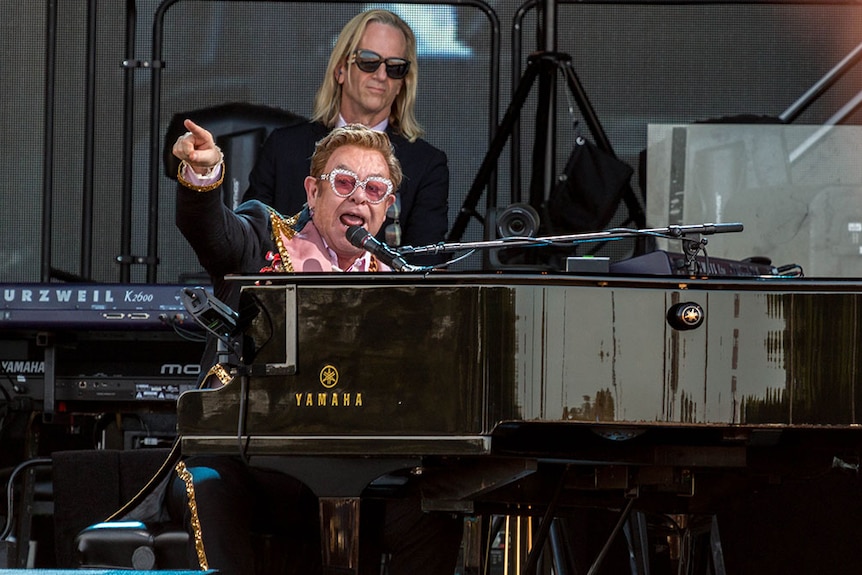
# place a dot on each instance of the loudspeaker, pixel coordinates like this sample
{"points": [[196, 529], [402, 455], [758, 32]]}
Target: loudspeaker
{"points": [[515, 221]]}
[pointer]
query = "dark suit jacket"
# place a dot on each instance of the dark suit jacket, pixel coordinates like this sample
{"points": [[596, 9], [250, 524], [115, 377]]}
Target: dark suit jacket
{"points": [[225, 242], [284, 161]]}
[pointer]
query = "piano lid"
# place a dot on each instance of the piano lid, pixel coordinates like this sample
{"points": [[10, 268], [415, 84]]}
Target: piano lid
{"points": [[455, 354]]}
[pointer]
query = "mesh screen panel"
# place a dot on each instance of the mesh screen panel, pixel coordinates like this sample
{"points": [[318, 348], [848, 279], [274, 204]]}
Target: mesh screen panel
{"points": [[638, 63]]}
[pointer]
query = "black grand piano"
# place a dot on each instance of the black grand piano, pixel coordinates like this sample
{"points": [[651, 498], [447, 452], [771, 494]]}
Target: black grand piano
{"points": [[533, 394]]}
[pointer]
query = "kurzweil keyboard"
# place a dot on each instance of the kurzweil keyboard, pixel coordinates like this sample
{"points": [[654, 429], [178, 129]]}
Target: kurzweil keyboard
{"points": [[54, 306], [103, 347]]}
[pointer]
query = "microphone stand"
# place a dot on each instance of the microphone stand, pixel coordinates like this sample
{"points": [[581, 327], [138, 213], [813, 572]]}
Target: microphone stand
{"points": [[220, 320], [541, 69]]}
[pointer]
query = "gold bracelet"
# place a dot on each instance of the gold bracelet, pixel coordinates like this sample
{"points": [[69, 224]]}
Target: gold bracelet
{"points": [[182, 180], [221, 373]]}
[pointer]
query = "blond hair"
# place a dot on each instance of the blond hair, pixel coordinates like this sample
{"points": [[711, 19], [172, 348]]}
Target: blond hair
{"points": [[361, 137], [402, 117]]}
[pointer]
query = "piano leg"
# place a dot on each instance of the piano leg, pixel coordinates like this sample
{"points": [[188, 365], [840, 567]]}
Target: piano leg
{"points": [[339, 524], [699, 543], [562, 560], [636, 532], [624, 517]]}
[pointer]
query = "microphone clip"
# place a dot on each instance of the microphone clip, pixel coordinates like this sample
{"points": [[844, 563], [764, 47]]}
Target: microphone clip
{"points": [[210, 313]]}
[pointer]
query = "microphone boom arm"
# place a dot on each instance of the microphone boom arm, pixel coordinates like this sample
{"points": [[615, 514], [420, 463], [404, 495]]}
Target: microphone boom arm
{"points": [[670, 232]]}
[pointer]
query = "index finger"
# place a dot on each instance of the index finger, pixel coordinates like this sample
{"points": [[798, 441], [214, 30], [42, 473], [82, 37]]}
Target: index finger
{"points": [[200, 135]]}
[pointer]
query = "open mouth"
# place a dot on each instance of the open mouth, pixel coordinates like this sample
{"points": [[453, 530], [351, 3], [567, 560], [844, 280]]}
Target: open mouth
{"points": [[352, 220]]}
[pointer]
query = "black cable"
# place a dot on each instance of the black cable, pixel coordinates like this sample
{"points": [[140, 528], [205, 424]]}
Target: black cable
{"points": [[10, 491], [242, 446], [6, 406], [185, 333]]}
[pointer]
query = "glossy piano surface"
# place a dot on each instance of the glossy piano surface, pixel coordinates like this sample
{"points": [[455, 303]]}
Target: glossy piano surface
{"points": [[442, 359]]}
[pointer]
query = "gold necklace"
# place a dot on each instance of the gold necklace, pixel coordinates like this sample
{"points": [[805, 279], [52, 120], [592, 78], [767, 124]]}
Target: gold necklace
{"points": [[282, 228]]}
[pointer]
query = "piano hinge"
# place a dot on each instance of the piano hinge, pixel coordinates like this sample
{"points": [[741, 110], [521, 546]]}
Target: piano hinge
{"points": [[143, 64], [130, 259]]}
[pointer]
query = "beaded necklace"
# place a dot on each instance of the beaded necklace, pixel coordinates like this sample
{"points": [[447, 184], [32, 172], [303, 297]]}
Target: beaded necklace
{"points": [[282, 228]]}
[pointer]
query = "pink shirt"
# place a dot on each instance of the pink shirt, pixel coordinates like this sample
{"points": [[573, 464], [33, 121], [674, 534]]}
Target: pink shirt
{"points": [[309, 252]]}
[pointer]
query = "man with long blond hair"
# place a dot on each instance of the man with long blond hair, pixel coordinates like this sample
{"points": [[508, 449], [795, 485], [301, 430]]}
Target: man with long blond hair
{"points": [[371, 79]]}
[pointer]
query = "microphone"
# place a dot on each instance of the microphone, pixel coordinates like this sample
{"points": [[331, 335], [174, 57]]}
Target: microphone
{"points": [[722, 228], [359, 237], [705, 229]]}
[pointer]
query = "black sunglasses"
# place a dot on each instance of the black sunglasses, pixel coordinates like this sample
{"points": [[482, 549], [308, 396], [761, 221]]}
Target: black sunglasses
{"points": [[368, 61]]}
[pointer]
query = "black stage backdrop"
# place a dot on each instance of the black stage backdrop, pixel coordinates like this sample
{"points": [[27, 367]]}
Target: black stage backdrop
{"points": [[639, 63]]}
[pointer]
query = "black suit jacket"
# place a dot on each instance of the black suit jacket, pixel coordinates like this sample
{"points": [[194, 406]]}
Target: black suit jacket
{"points": [[225, 242], [284, 161]]}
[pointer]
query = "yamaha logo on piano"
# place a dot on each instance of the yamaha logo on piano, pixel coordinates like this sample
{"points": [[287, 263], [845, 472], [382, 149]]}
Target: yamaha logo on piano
{"points": [[328, 377]]}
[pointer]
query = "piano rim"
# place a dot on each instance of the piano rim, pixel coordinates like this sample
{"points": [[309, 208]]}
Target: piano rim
{"points": [[340, 445]]}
